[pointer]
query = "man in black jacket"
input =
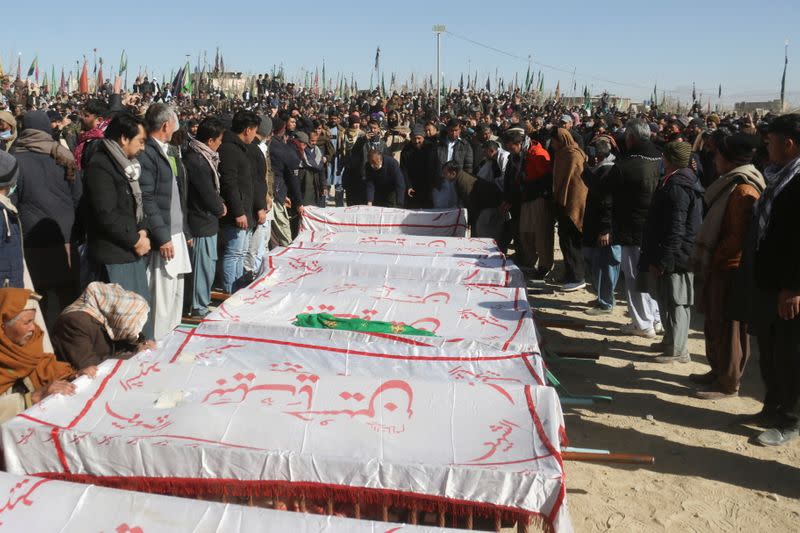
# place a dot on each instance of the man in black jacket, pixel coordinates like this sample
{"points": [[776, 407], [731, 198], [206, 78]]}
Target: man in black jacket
{"points": [[47, 195], [384, 183], [205, 208], [237, 177], [675, 215], [117, 238], [164, 197], [420, 166], [285, 163], [777, 280], [630, 185]]}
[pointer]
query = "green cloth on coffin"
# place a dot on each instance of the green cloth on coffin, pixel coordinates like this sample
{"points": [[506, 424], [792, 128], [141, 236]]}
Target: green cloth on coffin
{"points": [[326, 321]]}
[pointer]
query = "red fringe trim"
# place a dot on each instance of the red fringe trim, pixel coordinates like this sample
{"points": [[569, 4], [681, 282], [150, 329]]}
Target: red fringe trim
{"points": [[194, 487]]}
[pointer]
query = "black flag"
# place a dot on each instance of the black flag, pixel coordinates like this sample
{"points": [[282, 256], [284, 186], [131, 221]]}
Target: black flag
{"points": [[783, 79]]}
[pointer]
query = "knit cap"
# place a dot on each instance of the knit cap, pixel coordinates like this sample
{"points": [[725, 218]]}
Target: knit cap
{"points": [[678, 153]]}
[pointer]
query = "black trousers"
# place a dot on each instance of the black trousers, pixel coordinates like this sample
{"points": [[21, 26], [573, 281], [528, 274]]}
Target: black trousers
{"points": [[779, 361], [570, 239]]}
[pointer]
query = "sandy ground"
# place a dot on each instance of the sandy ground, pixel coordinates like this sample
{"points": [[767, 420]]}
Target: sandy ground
{"points": [[708, 476]]}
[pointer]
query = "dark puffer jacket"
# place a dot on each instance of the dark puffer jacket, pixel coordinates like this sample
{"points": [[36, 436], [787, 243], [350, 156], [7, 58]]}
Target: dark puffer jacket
{"points": [[672, 223], [630, 184]]}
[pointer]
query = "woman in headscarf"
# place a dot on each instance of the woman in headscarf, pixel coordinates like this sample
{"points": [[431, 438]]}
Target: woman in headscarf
{"points": [[27, 373], [105, 322], [569, 195], [717, 255]]}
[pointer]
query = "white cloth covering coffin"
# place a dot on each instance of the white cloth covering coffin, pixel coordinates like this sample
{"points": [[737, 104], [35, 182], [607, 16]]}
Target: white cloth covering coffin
{"points": [[365, 219], [43, 505], [465, 447], [496, 316], [337, 265], [243, 347], [398, 244]]}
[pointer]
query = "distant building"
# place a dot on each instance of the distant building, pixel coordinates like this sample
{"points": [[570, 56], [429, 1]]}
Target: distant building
{"points": [[773, 106]]}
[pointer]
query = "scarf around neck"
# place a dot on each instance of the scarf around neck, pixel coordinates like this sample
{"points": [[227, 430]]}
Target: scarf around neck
{"points": [[777, 181], [98, 132], [716, 198], [40, 142], [132, 170], [211, 157]]}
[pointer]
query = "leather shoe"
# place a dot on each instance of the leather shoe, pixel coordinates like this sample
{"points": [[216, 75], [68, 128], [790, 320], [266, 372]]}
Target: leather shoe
{"points": [[702, 379]]}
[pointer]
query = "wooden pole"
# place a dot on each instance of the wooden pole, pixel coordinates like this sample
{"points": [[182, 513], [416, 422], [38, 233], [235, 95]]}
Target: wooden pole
{"points": [[617, 458], [329, 509], [498, 524], [357, 509], [469, 519]]}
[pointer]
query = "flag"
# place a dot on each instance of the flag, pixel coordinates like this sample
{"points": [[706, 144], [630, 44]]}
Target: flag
{"points": [[488, 84], [541, 82], [783, 79], [316, 81], [99, 76], [52, 79], [1, 68], [177, 82], [694, 93], [528, 79], [83, 84], [123, 63], [383, 86], [324, 85], [94, 71], [461, 83], [378, 58], [558, 90], [216, 62], [19, 67], [34, 67], [62, 87], [221, 63], [187, 87], [45, 84], [719, 92]]}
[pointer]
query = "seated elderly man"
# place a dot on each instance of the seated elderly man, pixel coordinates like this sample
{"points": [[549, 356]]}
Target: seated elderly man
{"points": [[27, 373], [105, 322]]}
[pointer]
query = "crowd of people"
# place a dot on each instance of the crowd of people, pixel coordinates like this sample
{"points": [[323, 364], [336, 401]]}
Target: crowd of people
{"points": [[126, 210]]}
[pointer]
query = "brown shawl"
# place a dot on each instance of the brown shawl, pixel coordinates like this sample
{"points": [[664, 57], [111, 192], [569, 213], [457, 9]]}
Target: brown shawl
{"points": [[18, 362], [569, 190]]}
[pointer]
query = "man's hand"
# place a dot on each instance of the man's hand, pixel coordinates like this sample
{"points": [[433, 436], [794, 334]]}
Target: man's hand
{"points": [[142, 246], [411, 192], [146, 345], [241, 222], [788, 304], [369, 204], [167, 251], [224, 210], [657, 272], [57, 387], [262, 216], [89, 371], [189, 242], [604, 239], [287, 203], [301, 210]]}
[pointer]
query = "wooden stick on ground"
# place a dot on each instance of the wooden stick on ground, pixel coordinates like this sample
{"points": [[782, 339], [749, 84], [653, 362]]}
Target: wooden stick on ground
{"points": [[618, 458], [357, 509], [329, 509], [469, 519], [498, 524]]}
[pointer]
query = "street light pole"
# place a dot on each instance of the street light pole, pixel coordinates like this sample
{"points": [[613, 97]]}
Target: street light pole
{"points": [[438, 30]]}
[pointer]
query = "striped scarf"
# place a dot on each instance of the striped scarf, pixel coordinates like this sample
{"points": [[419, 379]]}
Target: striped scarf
{"points": [[777, 180], [122, 313], [211, 157]]}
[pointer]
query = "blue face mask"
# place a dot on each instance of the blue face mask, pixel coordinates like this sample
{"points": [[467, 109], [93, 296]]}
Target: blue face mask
{"points": [[5, 135]]}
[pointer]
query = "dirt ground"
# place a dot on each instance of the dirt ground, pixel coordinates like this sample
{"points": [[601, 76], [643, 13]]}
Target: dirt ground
{"points": [[707, 476]]}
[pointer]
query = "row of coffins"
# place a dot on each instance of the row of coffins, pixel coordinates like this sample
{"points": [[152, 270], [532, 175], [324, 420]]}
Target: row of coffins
{"points": [[455, 423]]}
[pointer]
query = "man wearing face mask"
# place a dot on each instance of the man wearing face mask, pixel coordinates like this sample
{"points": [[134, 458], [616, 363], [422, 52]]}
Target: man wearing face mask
{"points": [[8, 130], [263, 184]]}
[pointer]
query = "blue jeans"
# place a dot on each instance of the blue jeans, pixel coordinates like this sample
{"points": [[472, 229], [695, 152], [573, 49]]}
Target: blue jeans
{"points": [[235, 250], [602, 269], [204, 262]]}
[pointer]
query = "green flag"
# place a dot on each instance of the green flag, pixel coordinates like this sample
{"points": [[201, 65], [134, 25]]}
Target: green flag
{"points": [[123, 63], [33, 66], [188, 84]]}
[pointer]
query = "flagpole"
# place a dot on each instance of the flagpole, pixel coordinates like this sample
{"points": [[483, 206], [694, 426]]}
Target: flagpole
{"points": [[438, 29]]}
